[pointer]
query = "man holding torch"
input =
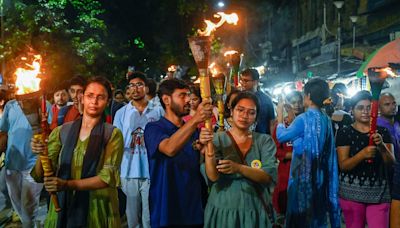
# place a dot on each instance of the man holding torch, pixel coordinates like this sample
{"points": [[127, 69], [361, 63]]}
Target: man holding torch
{"points": [[175, 197]]}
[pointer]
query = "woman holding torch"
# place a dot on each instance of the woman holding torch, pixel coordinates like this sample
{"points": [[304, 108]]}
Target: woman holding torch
{"points": [[364, 170], [86, 154], [240, 168]]}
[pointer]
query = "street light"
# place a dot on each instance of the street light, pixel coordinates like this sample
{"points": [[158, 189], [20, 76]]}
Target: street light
{"points": [[221, 4], [354, 21], [338, 5]]}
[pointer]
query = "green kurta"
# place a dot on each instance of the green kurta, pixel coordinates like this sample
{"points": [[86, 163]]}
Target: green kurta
{"points": [[103, 203], [233, 200]]}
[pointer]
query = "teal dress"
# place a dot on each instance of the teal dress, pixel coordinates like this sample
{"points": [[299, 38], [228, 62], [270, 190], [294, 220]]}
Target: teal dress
{"points": [[234, 200]]}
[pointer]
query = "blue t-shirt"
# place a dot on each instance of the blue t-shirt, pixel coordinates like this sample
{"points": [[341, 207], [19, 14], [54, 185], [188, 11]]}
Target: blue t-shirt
{"points": [[175, 192], [266, 113]]}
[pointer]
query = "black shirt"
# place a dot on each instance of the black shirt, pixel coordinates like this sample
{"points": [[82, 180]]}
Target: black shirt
{"points": [[367, 182]]}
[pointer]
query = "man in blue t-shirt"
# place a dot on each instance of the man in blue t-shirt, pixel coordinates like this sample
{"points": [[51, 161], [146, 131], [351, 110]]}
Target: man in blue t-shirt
{"points": [[249, 79], [175, 192]]}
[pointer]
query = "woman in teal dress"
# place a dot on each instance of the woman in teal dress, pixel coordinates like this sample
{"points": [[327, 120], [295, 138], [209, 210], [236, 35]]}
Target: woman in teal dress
{"points": [[240, 169], [86, 155]]}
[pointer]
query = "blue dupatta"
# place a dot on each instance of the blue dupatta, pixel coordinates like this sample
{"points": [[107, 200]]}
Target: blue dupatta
{"points": [[313, 183]]}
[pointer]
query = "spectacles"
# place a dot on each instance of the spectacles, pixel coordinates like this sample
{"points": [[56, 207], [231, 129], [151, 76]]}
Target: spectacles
{"points": [[138, 85], [92, 97], [361, 108], [249, 112]]}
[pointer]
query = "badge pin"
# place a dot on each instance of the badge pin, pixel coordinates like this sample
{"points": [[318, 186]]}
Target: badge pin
{"points": [[256, 164]]}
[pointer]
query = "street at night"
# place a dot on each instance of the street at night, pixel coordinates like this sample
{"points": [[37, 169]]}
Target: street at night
{"points": [[199, 113]]}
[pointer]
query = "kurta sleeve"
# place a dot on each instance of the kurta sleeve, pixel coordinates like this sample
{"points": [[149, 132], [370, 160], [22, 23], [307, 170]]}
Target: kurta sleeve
{"points": [[294, 131], [268, 150], [54, 148], [109, 173]]}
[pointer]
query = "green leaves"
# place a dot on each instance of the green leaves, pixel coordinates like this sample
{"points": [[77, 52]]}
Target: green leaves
{"points": [[67, 33]]}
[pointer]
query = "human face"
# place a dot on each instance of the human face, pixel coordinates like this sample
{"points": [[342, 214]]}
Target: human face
{"points": [[194, 101], [362, 111], [244, 114], [247, 82], [119, 98], [95, 100], [387, 106], [60, 98], [178, 102], [128, 94], [138, 89], [74, 92], [297, 104]]}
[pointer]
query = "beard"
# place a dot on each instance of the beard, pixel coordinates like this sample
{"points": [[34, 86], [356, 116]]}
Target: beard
{"points": [[177, 110], [138, 98], [61, 103]]}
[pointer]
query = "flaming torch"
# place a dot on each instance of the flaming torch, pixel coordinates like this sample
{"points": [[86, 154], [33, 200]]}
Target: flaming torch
{"points": [[200, 47], [28, 96], [218, 80], [234, 63], [377, 77]]}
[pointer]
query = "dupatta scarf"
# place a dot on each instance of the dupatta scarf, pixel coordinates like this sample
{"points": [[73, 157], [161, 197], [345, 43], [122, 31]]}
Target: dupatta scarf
{"points": [[313, 185]]}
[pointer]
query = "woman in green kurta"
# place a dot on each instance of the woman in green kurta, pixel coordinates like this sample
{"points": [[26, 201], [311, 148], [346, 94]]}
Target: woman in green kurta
{"points": [[97, 190], [240, 168]]}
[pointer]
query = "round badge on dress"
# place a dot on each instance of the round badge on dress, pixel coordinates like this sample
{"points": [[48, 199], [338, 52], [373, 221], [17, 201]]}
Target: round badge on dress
{"points": [[256, 164]]}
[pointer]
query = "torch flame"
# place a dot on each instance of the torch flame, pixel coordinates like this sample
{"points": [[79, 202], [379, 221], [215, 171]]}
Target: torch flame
{"points": [[213, 69], [228, 18], [231, 52], [386, 72], [172, 68], [27, 80]]}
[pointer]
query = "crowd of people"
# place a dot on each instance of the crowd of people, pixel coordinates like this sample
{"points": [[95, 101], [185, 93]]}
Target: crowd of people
{"points": [[144, 154]]}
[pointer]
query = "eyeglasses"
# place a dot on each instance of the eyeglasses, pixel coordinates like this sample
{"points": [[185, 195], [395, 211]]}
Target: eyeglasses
{"points": [[361, 108], [249, 112], [138, 85], [92, 97]]}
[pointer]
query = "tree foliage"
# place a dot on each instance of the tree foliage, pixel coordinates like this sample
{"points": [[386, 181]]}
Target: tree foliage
{"points": [[67, 33]]}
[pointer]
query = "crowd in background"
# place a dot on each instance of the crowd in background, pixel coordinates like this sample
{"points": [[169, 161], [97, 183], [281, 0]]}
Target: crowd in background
{"points": [[145, 155]]}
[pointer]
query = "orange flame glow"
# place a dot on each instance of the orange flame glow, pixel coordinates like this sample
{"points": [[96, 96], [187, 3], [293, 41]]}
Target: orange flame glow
{"points": [[27, 80], [172, 68], [228, 18], [386, 72], [231, 52], [213, 69]]}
